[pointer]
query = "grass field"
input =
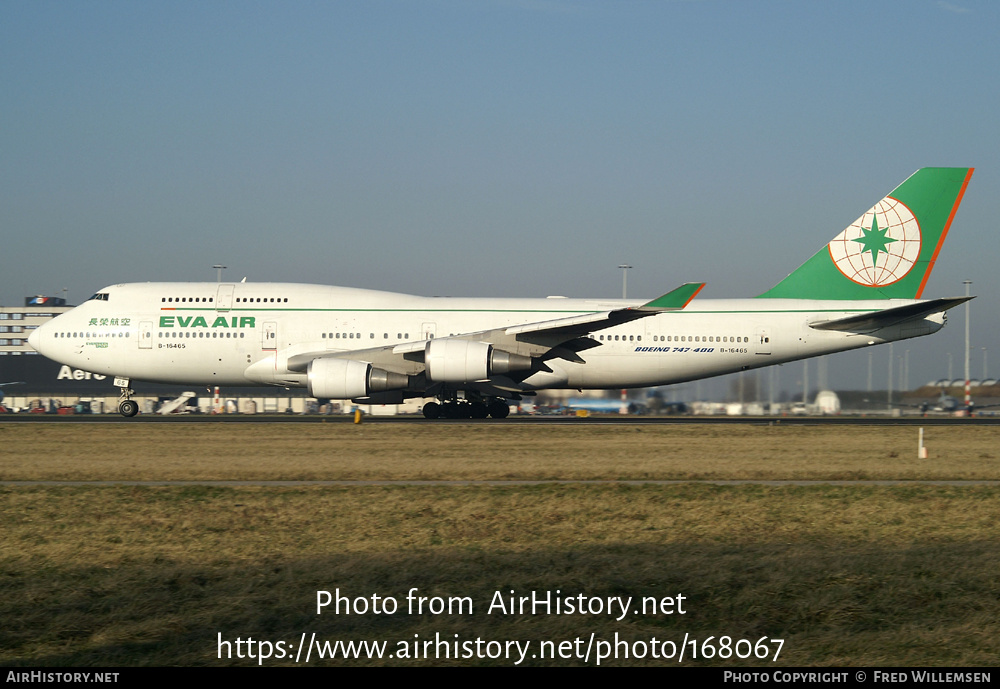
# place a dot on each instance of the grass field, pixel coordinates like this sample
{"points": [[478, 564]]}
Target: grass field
{"points": [[845, 575], [491, 451]]}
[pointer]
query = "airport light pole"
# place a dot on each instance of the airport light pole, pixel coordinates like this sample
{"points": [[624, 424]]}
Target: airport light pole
{"points": [[625, 268], [968, 394], [805, 382], [985, 376], [770, 389], [906, 369], [218, 272], [950, 376], [890, 377]]}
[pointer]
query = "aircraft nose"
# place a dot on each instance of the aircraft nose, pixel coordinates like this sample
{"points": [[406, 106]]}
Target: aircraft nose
{"points": [[38, 337]]}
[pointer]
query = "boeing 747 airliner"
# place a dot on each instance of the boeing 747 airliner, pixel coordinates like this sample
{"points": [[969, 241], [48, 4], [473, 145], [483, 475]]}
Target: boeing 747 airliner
{"points": [[863, 288]]}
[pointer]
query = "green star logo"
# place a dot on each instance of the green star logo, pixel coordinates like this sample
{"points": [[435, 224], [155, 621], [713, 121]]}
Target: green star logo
{"points": [[855, 251], [874, 240]]}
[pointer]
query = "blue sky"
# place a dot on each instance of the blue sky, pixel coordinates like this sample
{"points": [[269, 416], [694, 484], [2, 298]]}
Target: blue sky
{"points": [[512, 148]]}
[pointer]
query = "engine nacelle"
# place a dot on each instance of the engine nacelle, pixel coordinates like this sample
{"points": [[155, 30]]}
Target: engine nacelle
{"points": [[464, 361], [343, 379]]}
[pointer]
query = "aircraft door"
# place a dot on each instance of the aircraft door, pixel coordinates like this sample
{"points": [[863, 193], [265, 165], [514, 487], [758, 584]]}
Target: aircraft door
{"points": [[762, 340], [224, 298], [269, 336], [428, 330], [146, 335], [652, 328]]}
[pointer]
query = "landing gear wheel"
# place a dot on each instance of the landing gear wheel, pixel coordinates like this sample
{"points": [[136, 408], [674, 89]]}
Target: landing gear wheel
{"points": [[128, 408], [432, 410], [499, 410], [456, 410]]}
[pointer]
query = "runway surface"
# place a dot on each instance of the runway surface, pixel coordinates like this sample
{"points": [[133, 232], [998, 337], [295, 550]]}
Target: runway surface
{"points": [[610, 419]]}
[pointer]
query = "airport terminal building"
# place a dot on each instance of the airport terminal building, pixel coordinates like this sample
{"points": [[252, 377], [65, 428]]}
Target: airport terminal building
{"points": [[18, 361]]}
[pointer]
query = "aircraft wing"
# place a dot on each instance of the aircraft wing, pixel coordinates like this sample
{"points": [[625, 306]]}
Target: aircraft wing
{"points": [[875, 320], [557, 338], [976, 406], [945, 405], [535, 338], [675, 300]]}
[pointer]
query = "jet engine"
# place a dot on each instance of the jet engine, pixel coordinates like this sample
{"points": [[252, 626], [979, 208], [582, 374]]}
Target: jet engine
{"points": [[463, 361], [342, 379]]}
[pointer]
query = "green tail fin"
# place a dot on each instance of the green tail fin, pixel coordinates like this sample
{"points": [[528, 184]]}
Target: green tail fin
{"points": [[889, 252]]}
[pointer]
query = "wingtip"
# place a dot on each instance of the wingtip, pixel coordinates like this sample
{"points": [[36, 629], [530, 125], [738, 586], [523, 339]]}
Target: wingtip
{"points": [[676, 299]]}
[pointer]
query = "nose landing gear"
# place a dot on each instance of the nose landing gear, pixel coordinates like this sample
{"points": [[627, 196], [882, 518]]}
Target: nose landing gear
{"points": [[127, 407]]}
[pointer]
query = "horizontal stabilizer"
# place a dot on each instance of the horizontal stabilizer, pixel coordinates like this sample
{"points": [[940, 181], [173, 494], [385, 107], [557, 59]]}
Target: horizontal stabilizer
{"points": [[874, 320]]}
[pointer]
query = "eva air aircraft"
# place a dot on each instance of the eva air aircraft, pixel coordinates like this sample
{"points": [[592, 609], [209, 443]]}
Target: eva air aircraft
{"points": [[863, 288]]}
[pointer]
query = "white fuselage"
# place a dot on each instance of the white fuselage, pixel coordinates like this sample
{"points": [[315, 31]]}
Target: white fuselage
{"points": [[247, 333]]}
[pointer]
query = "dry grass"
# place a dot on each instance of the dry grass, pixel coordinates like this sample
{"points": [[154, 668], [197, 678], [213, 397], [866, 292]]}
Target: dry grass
{"points": [[389, 451], [859, 575], [866, 576]]}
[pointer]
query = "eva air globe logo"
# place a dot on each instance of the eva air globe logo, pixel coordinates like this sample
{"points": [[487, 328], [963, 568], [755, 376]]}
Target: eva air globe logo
{"points": [[880, 247]]}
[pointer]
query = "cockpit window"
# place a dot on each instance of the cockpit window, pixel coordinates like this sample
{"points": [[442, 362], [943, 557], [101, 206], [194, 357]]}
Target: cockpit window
{"points": [[100, 296]]}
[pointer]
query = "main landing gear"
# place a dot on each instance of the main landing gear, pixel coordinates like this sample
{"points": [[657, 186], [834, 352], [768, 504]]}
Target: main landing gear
{"points": [[467, 409], [127, 406]]}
